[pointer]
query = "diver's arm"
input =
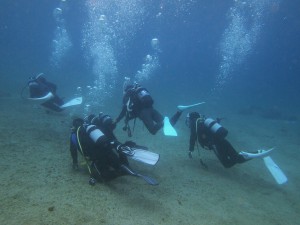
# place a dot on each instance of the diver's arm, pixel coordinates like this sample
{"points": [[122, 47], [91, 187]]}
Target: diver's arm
{"points": [[122, 114], [193, 138], [125, 100]]}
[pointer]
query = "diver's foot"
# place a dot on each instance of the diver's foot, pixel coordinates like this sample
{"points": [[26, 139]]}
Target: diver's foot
{"points": [[256, 154]]}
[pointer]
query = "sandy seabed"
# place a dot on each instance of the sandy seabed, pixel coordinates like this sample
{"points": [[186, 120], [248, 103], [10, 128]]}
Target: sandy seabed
{"points": [[38, 185]]}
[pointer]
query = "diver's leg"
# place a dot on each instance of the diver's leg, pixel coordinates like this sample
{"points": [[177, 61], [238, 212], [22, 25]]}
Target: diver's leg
{"points": [[232, 153], [175, 118], [103, 163], [146, 116], [103, 171], [123, 159], [227, 154], [116, 163], [221, 151], [113, 160], [156, 116], [52, 105], [58, 101]]}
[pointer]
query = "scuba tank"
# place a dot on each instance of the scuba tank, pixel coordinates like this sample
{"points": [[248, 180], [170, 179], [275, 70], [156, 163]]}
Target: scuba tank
{"points": [[143, 96], [93, 132], [215, 128]]}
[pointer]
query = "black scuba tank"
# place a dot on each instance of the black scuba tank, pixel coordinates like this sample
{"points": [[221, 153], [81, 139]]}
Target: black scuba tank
{"points": [[144, 96], [215, 128]]}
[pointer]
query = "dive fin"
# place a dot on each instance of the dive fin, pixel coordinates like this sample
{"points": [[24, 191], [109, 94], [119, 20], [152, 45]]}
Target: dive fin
{"points": [[276, 172], [43, 99], [183, 107], [149, 180], [258, 154], [168, 128], [141, 155], [145, 156], [74, 101]]}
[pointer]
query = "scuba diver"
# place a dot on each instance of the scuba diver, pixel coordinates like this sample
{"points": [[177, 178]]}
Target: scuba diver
{"points": [[211, 136], [138, 103], [42, 90], [105, 156]]}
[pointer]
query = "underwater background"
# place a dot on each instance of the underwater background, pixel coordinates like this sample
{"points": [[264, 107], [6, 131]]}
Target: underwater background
{"points": [[244, 48], [242, 57]]}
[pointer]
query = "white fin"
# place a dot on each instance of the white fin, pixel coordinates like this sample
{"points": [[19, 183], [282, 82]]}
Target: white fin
{"points": [[259, 154], [145, 156], [183, 107], [276, 172], [74, 101], [43, 99], [168, 128]]}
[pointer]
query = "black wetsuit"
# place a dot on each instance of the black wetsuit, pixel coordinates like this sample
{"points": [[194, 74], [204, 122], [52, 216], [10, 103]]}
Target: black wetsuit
{"points": [[134, 108], [99, 152], [221, 147], [40, 87]]}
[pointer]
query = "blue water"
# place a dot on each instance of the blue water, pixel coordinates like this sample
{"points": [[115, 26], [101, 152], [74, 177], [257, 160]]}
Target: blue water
{"points": [[245, 48]]}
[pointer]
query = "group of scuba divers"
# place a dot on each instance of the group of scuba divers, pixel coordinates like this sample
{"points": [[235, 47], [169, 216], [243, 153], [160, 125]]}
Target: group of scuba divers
{"points": [[106, 158]]}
